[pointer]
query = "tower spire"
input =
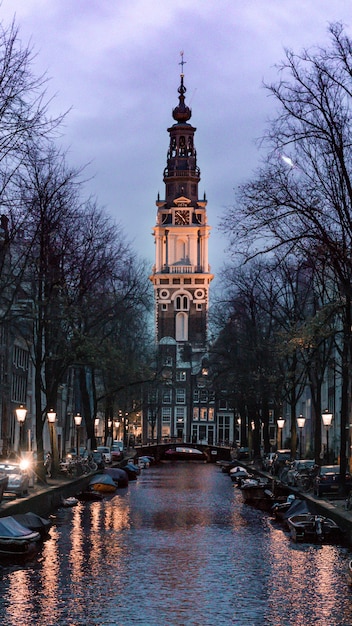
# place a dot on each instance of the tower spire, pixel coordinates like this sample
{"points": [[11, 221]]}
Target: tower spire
{"points": [[182, 113]]}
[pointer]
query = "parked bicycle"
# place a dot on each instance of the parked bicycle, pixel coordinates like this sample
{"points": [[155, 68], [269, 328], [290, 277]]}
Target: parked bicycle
{"points": [[305, 480]]}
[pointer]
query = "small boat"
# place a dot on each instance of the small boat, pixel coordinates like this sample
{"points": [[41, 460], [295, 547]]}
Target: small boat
{"points": [[143, 462], [237, 473], [119, 476], [184, 453], [279, 509], [131, 470], [89, 496], [68, 502], [313, 528], [17, 540], [103, 483], [34, 522]]}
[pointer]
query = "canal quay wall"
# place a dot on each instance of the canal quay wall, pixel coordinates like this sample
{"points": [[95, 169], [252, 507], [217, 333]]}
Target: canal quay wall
{"points": [[334, 507], [43, 499]]}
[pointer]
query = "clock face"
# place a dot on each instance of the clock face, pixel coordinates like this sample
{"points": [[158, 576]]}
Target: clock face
{"points": [[181, 217]]}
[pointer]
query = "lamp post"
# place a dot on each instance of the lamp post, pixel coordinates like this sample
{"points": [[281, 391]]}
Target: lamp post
{"points": [[280, 424], [300, 423], [78, 422], [239, 430], [327, 419], [96, 430], [51, 415], [21, 413]]}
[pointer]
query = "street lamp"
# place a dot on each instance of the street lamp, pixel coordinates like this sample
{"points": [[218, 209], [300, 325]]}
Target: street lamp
{"points": [[327, 419], [96, 425], [239, 430], [51, 415], [300, 423], [21, 413], [117, 426], [280, 424], [78, 422]]}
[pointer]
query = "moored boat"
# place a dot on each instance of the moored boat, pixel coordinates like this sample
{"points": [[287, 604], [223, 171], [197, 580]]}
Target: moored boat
{"points": [[34, 522], [17, 540], [103, 483], [313, 528], [119, 476], [258, 493], [184, 453]]}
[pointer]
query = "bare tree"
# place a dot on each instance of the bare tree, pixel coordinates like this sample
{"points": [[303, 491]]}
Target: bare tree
{"points": [[302, 196]]}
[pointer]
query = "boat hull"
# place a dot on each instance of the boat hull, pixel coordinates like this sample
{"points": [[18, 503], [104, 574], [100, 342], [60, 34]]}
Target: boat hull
{"points": [[313, 528]]}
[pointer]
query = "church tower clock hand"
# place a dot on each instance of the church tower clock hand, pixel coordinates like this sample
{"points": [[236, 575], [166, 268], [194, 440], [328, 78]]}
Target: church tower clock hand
{"points": [[181, 217]]}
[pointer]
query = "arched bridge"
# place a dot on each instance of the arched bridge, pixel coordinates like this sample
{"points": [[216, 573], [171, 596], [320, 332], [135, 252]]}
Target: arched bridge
{"points": [[185, 451]]}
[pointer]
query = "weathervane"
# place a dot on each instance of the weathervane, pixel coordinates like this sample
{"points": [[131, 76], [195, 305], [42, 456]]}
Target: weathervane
{"points": [[182, 62]]}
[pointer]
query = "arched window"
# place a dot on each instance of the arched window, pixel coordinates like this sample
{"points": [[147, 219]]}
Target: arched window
{"points": [[181, 327], [181, 303]]}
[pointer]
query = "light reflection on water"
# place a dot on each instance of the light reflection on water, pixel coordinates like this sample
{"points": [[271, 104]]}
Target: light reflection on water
{"points": [[178, 547]]}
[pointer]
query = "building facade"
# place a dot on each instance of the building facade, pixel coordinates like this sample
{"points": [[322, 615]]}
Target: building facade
{"points": [[180, 405]]}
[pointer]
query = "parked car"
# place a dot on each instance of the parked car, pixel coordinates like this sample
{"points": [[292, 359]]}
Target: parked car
{"points": [[18, 478], [281, 458], [106, 452], [300, 466], [117, 451], [328, 480], [98, 457], [242, 453], [268, 461]]}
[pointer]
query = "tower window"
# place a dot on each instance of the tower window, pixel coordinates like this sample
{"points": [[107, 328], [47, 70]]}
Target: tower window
{"points": [[181, 303]]}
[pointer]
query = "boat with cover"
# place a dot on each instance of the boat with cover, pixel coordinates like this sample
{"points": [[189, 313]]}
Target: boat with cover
{"points": [[313, 528], [119, 476], [17, 540], [103, 483], [34, 522]]}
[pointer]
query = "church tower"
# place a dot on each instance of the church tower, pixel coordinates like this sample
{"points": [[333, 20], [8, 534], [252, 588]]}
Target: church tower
{"points": [[181, 278]]}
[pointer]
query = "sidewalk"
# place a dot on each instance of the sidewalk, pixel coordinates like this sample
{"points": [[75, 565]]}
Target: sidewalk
{"points": [[42, 499]]}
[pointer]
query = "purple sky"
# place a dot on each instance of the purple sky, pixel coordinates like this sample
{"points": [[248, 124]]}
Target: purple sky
{"points": [[115, 63]]}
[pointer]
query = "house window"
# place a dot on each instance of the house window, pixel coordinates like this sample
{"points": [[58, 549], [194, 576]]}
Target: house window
{"points": [[180, 414], [180, 396], [211, 414], [203, 413], [203, 395], [164, 307], [196, 413], [167, 395], [181, 376], [166, 414], [196, 395]]}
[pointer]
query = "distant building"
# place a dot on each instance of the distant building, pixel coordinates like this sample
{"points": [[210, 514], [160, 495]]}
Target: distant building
{"points": [[180, 405]]}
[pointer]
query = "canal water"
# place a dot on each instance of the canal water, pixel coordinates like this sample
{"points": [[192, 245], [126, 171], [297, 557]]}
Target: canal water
{"points": [[177, 548]]}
